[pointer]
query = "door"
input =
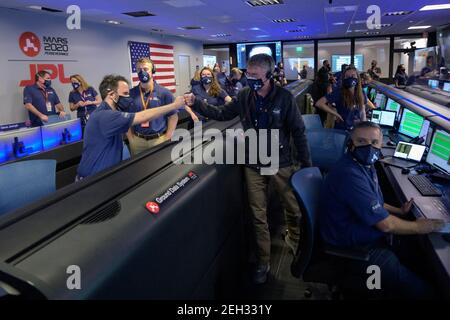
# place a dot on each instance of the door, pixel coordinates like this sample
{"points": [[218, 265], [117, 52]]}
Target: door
{"points": [[184, 74]]}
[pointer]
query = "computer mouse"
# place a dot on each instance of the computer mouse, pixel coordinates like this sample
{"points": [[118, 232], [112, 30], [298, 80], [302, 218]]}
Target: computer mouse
{"points": [[405, 171]]}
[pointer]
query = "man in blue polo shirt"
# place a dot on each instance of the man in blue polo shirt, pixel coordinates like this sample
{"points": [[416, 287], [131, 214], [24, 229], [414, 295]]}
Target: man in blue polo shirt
{"points": [[147, 95], [41, 100], [353, 215], [103, 143]]}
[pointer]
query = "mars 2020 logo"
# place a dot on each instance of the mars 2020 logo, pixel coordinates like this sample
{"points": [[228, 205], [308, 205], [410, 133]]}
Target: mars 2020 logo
{"points": [[30, 44]]}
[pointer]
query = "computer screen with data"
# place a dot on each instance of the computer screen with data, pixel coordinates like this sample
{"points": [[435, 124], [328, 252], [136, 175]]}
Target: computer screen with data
{"points": [[409, 151], [446, 86], [391, 105], [383, 118], [439, 154], [411, 124], [433, 84], [380, 100]]}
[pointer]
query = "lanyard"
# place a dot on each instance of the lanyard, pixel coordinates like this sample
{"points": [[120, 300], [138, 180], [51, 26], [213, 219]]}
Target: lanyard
{"points": [[45, 94], [145, 102]]}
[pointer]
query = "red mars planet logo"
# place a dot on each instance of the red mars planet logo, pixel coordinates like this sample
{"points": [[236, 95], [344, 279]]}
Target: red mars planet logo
{"points": [[29, 44], [152, 207]]}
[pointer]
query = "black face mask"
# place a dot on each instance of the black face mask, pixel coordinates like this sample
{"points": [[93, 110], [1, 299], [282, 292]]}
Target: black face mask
{"points": [[350, 82], [48, 83], [144, 76], [124, 103], [366, 155], [207, 80], [255, 84], [75, 85]]}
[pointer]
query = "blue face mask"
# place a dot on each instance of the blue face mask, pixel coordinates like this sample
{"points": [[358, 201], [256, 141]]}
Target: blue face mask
{"points": [[366, 155], [207, 80], [255, 84], [124, 103], [144, 76], [48, 83], [75, 85], [350, 82]]}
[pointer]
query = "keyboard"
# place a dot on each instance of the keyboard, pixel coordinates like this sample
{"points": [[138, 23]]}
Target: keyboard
{"points": [[425, 187]]}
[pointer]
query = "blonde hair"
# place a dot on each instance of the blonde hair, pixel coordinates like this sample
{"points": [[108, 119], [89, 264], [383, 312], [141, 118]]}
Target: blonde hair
{"points": [[236, 71], [83, 84], [215, 88], [145, 60], [197, 75]]}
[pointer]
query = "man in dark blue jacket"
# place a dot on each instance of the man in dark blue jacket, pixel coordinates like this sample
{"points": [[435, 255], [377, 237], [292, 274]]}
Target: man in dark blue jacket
{"points": [[267, 109]]}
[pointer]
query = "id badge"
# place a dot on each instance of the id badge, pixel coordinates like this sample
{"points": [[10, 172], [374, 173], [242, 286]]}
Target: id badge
{"points": [[145, 124], [49, 106]]}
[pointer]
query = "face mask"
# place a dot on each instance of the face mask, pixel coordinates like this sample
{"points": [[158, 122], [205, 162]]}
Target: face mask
{"points": [[144, 77], [350, 82], [48, 83], [366, 155], [124, 103], [207, 80], [255, 84], [75, 85]]}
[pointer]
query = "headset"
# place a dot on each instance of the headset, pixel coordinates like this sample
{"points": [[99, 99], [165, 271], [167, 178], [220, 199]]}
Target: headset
{"points": [[153, 66]]}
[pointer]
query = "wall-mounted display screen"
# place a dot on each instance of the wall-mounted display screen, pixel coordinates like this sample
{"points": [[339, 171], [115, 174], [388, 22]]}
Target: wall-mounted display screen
{"points": [[338, 60], [246, 50]]}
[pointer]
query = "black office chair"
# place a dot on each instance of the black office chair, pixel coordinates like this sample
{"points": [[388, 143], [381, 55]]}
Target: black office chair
{"points": [[314, 262]]}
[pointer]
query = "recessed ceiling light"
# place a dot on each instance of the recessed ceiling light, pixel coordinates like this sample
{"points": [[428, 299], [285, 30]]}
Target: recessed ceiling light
{"points": [[397, 13], [139, 14], [254, 29], [263, 36], [295, 30], [418, 27], [338, 23], [191, 28], [435, 7], [361, 30], [261, 3], [221, 35], [359, 22], [371, 33], [157, 30], [283, 20], [383, 25], [113, 22], [44, 9]]}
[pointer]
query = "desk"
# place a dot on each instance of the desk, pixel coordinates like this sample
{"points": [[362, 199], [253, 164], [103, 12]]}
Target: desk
{"points": [[439, 249]]}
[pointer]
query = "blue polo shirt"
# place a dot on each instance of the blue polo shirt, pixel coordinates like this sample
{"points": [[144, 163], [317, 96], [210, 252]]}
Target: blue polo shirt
{"points": [[87, 95], [38, 98], [103, 144], [349, 115], [350, 206], [200, 92], [159, 97]]}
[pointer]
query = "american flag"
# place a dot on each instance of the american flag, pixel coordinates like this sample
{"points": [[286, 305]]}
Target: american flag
{"points": [[161, 55]]}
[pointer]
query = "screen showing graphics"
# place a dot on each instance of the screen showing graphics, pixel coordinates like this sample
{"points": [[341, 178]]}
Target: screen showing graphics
{"points": [[247, 50], [411, 124], [391, 105], [409, 151], [446, 86], [338, 60], [440, 151], [433, 84], [380, 100], [383, 118]]}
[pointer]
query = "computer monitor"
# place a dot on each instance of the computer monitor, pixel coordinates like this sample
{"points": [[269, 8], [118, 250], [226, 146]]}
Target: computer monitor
{"points": [[380, 100], [411, 124], [372, 94], [446, 86], [391, 105], [20, 143], [247, 50], [433, 84], [409, 151], [56, 134], [439, 154], [383, 118]]}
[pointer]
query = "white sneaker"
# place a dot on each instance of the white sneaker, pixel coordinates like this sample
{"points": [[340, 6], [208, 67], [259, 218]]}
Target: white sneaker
{"points": [[260, 274]]}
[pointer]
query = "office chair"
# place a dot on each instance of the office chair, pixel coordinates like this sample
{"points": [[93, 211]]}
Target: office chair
{"points": [[125, 152], [24, 182], [312, 121], [326, 146], [315, 262]]}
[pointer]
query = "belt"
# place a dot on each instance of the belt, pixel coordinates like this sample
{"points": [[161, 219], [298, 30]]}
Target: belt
{"points": [[150, 136]]}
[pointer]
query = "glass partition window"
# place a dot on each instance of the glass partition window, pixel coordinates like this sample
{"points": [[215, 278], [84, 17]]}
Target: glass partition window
{"points": [[211, 56], [298, 58], [367, 50], [406, 42], [337, 52]]}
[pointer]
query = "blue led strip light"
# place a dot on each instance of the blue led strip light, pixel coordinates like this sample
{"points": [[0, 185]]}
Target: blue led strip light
{"points": [[415, 103]]}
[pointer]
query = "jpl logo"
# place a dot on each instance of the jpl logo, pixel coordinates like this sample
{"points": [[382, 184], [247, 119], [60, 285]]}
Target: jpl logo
{"points": [[152, 207], [30, 44]]}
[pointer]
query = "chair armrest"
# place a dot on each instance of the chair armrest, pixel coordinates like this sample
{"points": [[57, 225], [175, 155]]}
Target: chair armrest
{"points": [[353, 254]]}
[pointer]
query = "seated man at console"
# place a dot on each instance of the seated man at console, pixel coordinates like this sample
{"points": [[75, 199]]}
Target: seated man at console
{"points": [[103, 143], [353, 215]]}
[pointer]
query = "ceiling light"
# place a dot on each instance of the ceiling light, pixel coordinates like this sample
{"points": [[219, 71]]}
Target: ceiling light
{"points": [[359, 22], [295, 30], [44, 9], [113, 22], [254, 29], [283, 20], [418, 27], [338, 23], [261, 3], [139, 14], [221, 35], [397, 13], [191, 28], [372, 33], [436, 7]]}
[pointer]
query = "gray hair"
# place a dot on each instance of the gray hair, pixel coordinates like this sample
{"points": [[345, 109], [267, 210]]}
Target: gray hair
{"points": [[262, 60]]}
